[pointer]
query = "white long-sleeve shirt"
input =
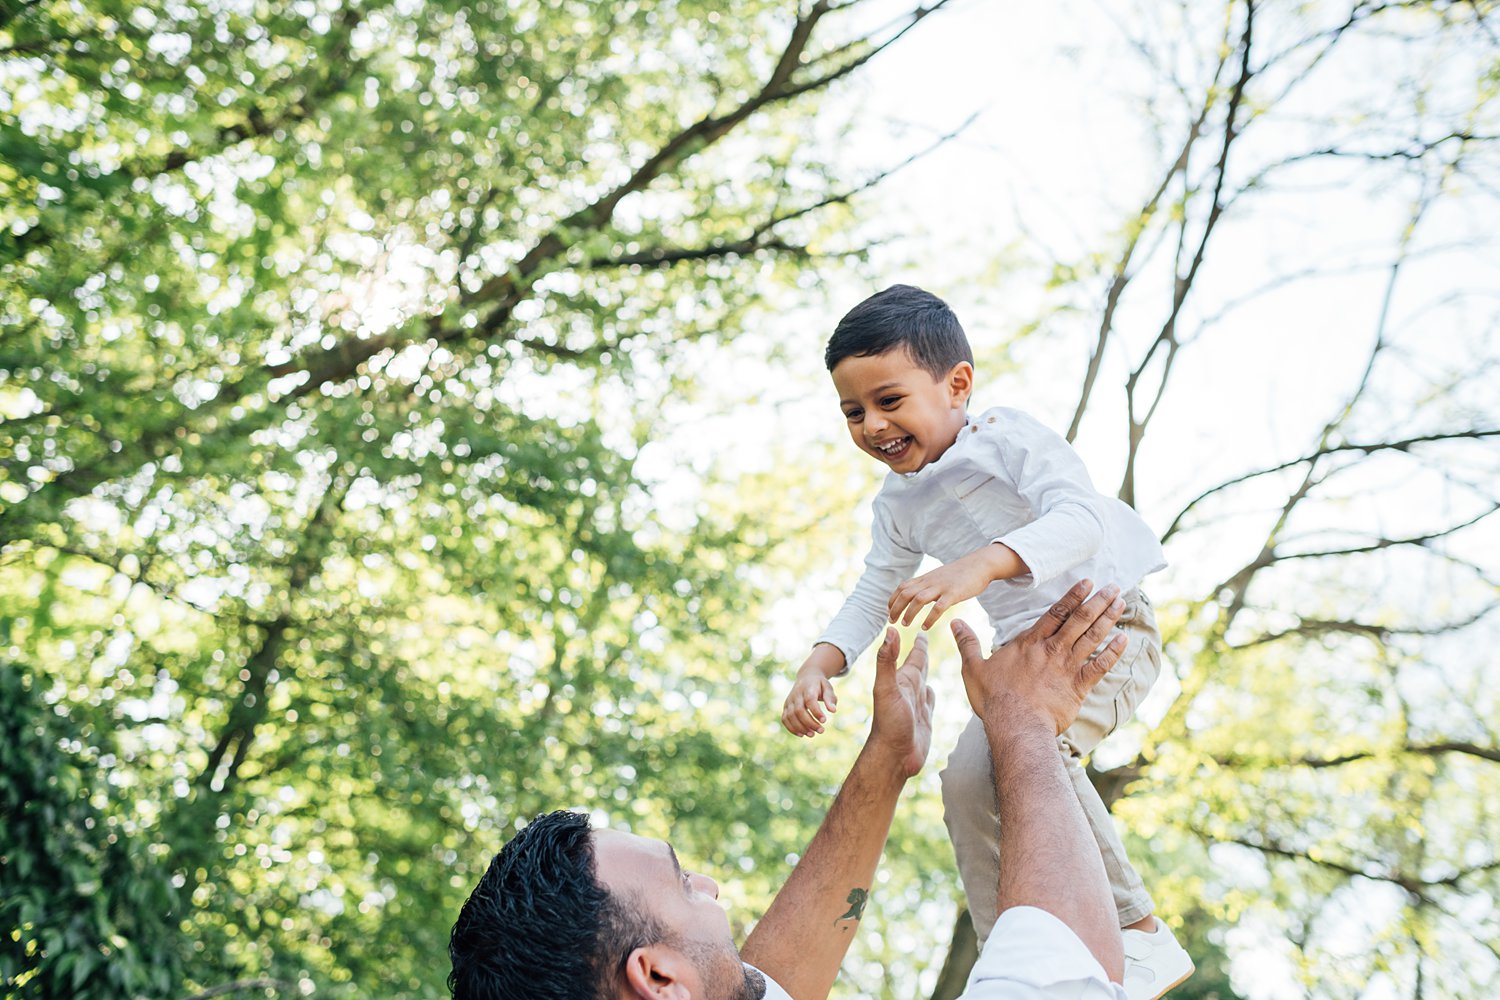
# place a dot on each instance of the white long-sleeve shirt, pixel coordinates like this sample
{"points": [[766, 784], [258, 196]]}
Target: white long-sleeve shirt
{"points": [[1030, 955], [1006, 478]]}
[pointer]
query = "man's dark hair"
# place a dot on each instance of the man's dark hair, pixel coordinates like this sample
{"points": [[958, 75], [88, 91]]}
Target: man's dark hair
{"points": [[539, 924], [901, 316]]}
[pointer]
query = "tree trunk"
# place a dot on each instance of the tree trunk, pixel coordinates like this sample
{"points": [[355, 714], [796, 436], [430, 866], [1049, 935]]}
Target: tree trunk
{"points": [[963, 952]]}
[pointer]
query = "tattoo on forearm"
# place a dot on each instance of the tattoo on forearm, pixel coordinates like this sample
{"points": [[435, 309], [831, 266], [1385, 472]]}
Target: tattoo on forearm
{"points": [[857, 899]]}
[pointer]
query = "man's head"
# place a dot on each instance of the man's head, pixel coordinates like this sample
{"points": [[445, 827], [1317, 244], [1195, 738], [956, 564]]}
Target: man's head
{"points": [[568, 912], [904, 371]]}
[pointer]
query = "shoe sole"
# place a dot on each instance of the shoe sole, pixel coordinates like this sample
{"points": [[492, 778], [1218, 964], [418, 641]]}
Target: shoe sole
{"points": [[1182, 979]]}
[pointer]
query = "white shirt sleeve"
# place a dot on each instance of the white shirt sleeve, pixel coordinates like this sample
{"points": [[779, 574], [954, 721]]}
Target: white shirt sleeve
{"points": [[1067, 526], [1032, 955], [866, 610]]}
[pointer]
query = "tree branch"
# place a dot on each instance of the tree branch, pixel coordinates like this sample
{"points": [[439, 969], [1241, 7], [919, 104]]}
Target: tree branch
{"points": [[1380, 633], [1325, 450], [1184, 283]]}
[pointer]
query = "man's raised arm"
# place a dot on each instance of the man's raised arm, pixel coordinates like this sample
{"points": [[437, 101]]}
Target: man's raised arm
{"points": [[1028, 692], [803, 937]]}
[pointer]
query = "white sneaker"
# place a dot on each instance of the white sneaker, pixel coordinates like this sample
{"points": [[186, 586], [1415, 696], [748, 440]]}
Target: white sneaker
{"points": [[1154, 963]]}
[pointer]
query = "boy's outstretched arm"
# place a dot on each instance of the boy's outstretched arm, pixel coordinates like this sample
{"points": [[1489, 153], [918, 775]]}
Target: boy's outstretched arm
{"points": [[954, 583], [812, 691], [801, 940]]}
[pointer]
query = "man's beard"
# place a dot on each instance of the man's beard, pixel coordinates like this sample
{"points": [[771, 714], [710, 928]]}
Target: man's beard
{"points": [[754, 986], [723, 972]]}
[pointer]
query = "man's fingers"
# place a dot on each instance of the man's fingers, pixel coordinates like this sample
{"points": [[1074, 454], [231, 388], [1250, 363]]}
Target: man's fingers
{"points": [[1085, 615], [1059, 613], [968, 643], [1098, 629], [1094, 670], [885, 657], [918, 655]]}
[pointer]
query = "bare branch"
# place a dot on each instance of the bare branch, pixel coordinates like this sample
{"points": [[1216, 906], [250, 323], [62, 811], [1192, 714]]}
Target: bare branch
{"points": [[1413, 884], [1184, 283], [1488, 753], [1325, 450], [1122, 274], [754, 242], [1312, 627]]}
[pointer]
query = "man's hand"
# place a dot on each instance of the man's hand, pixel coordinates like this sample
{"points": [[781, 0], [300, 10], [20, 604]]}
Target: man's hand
{"points": [[1045, 672], [903, 704], [954, 583]]}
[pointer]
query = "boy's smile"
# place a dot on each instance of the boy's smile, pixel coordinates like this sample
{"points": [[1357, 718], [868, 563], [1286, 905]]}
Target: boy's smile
{"points": [[897, 411]]}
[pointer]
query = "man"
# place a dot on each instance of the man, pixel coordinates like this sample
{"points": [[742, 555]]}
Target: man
{"points": [[569, 912]]}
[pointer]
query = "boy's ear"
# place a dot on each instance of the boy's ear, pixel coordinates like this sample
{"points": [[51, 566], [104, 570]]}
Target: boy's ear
{"points": [[656, 972], [961, 382]]}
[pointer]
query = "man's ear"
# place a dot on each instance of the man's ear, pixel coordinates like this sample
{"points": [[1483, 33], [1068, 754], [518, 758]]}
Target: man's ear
{"points": [[960, 383], [656, 972]]}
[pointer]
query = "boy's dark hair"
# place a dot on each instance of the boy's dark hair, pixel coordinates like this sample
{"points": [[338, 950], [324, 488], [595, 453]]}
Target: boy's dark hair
{"points": [[901, 316], [539, 924]]}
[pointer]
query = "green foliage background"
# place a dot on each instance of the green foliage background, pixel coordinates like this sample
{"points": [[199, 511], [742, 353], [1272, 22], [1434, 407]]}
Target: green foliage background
{"points": [[336, 338]]}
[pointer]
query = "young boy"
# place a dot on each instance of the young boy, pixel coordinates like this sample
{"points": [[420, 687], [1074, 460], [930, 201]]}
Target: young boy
{"points": [[1008, 508]]}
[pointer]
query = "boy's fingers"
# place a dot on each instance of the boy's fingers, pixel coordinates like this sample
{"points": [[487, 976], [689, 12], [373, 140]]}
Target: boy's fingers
{"points": [[830, 698]]}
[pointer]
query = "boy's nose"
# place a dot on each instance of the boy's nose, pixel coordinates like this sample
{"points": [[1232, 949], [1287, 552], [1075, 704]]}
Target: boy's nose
{"points": [[875, 423]]}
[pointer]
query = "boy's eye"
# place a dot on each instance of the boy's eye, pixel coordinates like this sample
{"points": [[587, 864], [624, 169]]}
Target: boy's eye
{"points": [[890, 400], [854, 414]]}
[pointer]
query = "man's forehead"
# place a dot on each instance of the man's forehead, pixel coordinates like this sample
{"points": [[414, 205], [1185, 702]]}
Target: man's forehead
{"points": [[626, 861]]}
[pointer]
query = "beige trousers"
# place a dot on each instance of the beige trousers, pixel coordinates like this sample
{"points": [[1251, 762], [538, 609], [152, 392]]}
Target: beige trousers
{"points": [[971, 807]]}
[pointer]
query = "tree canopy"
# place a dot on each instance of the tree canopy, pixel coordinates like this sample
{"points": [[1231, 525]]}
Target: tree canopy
{"points": [[347, 353]]}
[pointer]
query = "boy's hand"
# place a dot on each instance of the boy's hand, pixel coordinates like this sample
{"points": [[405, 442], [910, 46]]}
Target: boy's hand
{"points": [[803, 715], [954, 583]]}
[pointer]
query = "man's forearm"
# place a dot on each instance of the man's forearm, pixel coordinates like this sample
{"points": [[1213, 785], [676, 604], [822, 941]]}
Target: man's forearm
{"points": [[1048, 858], [803, 937]]}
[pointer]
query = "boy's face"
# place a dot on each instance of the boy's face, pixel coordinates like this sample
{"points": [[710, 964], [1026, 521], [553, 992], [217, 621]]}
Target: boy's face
{"points": [[897, 412]]}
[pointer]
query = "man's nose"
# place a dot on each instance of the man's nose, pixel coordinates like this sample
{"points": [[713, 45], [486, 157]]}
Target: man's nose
{"points": [[702, 883]]}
